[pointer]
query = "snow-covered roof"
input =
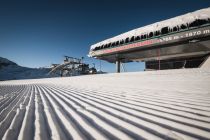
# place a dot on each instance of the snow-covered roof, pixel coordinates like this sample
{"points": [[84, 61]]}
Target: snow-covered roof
{"points": [[176, 21]]}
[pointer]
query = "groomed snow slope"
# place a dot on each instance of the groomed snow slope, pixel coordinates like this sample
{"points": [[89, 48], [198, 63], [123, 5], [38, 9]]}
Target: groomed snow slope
{"points": [[172, 104]]}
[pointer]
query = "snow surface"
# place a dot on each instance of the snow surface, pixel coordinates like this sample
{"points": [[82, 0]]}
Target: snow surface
{"points": [[176, 21], [169, 104]]}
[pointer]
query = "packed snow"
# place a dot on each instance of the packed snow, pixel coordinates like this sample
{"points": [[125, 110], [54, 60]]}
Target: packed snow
{"points": [[176, 21], [168, 104]]}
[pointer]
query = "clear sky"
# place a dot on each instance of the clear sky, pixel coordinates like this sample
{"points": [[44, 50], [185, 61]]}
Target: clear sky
{"points": [[36, 33]]}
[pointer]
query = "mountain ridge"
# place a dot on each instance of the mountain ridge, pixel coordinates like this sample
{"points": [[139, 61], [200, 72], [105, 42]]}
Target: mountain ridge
{"points": [[10, 70]]}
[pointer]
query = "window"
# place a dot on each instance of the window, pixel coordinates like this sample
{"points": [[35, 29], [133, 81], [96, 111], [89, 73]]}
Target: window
{"points": [[164, 30], [144, 36], [157, 33], [127, 40], [202, 21], [137, 38], [121, 42], [106, 46], [175, 29], [96, 48], [198, 22], [117, 43], [193, 24], [113, 44], [132, 39], [151, 34], [183, 26]]}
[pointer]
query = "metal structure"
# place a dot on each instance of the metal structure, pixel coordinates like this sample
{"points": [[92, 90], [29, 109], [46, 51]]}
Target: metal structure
{"points": [[179, 42], [71, 67]]}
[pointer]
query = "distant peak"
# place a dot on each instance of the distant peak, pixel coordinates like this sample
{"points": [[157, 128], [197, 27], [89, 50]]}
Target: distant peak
{"points": [[6, 62]]}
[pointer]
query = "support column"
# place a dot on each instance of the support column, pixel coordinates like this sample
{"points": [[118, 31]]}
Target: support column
{"points": [[118, 66]]}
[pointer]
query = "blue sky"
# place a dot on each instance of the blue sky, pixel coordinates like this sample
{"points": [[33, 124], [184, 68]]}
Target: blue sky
{"points": [[37, 33]]}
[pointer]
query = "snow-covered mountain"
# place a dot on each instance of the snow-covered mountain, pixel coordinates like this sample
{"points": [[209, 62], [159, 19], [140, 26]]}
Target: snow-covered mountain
{"points": [[11, 71]]}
